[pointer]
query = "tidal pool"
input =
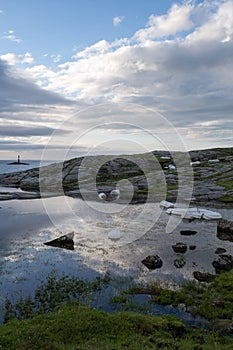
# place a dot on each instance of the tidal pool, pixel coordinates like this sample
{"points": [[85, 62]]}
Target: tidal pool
{"points": [[26, 225]]}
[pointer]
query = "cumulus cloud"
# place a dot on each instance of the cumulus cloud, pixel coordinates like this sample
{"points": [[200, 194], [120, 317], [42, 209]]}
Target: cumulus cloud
{"points": [[177, 20], [10, 35], [117, 20], [56, 58], [12, 58], [180, 64]]}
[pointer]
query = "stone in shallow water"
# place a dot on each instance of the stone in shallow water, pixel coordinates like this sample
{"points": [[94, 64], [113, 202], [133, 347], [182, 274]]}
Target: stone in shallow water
{"points": [[220, 250], [180, 247], [192, 247], [225, 230], [153, 262], [224, 262], [203, 276], [65, 242], [188, 232]]}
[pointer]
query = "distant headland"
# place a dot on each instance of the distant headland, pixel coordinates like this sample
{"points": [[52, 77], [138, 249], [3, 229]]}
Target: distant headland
{"points": [[18, 162]]}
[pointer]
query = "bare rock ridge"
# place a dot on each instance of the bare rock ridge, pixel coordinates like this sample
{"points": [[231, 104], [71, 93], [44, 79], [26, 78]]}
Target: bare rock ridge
{"points": [[160, 172]]}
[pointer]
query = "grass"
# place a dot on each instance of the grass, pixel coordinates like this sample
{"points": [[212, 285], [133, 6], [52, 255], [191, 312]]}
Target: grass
{"points": [[226, 199], [57, 319], [227, 184], [212, 301], [77, 327]]}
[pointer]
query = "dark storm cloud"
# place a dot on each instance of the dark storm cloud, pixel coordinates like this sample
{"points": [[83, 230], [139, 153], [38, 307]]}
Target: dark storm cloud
{"points": [[19, 90], [24, 131]]}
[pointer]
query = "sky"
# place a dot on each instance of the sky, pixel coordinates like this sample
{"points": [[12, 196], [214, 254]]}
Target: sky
{"points": [[114, 77]]}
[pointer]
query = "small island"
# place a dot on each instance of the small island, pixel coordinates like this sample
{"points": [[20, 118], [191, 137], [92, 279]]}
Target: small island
{"points": [[18, 162]]}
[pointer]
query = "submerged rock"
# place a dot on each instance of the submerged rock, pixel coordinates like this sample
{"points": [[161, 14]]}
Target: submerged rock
{"points": [[65, 242], [222, 326], [188, 232], [220, 250], [225, 230], [203, 276], [180, 248], [223, 263], [153, 262]]}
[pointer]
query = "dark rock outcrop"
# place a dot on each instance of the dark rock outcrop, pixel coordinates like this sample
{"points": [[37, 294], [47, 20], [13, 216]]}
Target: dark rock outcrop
{"points": [[188, 232], [203, 276], [180, 248], [220, 250], [225, 230], [223, 263], [152, 262], [65, 242]]}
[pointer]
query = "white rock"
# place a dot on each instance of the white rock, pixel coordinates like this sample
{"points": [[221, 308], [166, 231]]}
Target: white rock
{"points": [[115, 234], [102, 195], [166, 204]]}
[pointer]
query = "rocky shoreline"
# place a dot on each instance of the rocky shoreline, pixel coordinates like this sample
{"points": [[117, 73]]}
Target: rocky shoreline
{"points": [[141, 177]]}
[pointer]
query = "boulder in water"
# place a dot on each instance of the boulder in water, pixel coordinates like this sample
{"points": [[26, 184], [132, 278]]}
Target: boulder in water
{"points": [[65, 242]]}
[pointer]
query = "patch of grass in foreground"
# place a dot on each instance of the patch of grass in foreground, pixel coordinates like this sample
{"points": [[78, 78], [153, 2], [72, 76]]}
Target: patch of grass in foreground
{"points": [[212, 301], [77, 327]]}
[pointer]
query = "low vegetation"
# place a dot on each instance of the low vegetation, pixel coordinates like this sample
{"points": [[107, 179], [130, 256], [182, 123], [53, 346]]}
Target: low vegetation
{"points": [[77, 327], [57, 318], [212, 301]]}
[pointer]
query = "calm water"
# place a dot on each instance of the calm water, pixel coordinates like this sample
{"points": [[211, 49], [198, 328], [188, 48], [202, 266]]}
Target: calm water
{"points": [[26, 224], [25, 261], [6, 168]]}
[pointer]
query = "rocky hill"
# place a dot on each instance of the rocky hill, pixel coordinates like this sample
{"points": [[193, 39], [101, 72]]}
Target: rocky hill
{"points": [[208, 173]]}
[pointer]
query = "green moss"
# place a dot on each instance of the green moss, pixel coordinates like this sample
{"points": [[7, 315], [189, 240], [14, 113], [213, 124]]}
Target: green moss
{"points": [[200, 298], [226, 199], [228, 185], [76, 327]]}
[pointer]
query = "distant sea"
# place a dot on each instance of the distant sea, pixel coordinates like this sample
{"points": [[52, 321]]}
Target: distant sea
{"points": [[6, 168]]}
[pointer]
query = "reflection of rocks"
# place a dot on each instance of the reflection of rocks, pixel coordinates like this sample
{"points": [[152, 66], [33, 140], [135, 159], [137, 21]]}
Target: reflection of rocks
{"points": [[220, 251], [225, 230], [223, 263], [188, 232], [18, 195], [222, 326], [65, 242], [203, 276], [180, 247], [153, 262]]}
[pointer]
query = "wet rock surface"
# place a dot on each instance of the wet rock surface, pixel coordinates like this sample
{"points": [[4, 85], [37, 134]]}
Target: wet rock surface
{"points": [[156, 170], [65, 242], [188, 232], [220, 250], [180, 247], [203, 276], [152, 262], [225, 230], [223, 263]]}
